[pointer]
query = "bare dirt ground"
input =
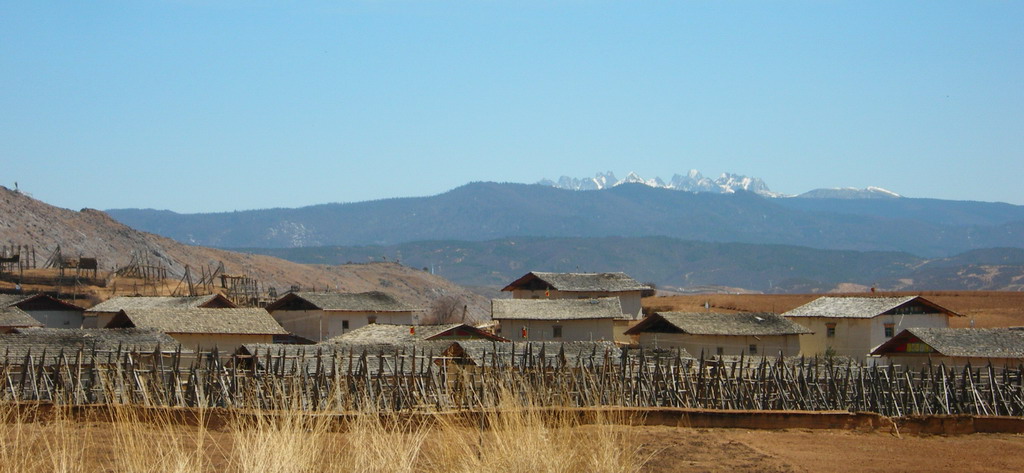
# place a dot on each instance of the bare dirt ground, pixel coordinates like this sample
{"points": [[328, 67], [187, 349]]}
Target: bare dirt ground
{"points": [[985, 308], [680, 449], [677, 449]]}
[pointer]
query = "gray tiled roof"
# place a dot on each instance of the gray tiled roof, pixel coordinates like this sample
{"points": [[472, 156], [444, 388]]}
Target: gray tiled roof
{"points": [[848, 307], [712, 323], [149, 302], [396, 334], [15, 317], [965, 342], [53, 340], [556, 309], [8, 300], [373, 301], [584, 282], [241, 321]]}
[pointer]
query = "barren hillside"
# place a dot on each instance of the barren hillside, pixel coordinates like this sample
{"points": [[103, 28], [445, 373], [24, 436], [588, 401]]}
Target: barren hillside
{"points": [[93, 234]]}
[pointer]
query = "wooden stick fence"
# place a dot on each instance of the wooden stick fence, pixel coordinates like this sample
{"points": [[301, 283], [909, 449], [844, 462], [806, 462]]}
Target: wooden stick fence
{"points": [[341, 379]]}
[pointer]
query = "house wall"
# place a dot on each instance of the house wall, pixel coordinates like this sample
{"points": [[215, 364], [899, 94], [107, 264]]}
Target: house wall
{"points": [[629, 300], [97, 319], [856, 338], [619, 331], [572, 330], [225, 343], [57, 318], [731, 345], [319, 325]]}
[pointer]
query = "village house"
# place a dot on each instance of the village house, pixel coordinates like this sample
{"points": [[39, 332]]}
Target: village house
{"points": [[720, 334], [543, 285], [100, 315], [13, 318], [556, 319], [320, 316], [49, 311], [225, 329], [854, 326], [918, 346]]}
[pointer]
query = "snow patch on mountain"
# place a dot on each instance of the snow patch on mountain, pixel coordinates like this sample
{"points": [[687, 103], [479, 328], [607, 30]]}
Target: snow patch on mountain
{"points": [[692, 181]]}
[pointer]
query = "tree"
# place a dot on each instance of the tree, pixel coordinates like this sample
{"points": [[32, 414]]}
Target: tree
{"points": [[446, 310]]}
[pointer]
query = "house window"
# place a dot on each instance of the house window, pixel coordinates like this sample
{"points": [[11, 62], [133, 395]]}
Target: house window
{"points": [[371, 319], [753, 349], [719, 351], [344, 325], [830, 330], [890, 330], [556, 331]]}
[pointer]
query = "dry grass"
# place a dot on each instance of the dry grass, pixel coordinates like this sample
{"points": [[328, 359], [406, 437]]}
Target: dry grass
{"points": [[511, 439]]}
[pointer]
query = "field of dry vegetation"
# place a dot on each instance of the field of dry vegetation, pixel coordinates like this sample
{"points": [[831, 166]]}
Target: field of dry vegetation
{"points": [[124, 438], [38, 439]]}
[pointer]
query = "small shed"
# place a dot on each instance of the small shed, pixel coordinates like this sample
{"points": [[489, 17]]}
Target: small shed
{"points": [[557, 320], [757, 334], [226, 329], [917, 346]]}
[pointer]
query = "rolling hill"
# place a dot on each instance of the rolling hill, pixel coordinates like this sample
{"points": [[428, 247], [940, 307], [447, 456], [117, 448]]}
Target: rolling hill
{"points": [[92, 233]]}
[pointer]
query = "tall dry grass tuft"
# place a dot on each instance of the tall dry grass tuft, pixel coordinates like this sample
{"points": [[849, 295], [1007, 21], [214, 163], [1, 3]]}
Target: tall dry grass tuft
{"points": [[32, 439], [513, 438], [149, 440]]}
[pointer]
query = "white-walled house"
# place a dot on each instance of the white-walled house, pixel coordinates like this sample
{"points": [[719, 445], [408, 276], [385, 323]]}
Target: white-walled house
{"points": [[318, 316], [99, 315], [48, 311], [556, 319], [916, 347], [711, 333], [854, 326], [226, 329], [544, 285]]}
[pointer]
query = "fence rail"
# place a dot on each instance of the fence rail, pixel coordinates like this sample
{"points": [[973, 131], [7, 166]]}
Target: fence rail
{"points": [[399, 380]]}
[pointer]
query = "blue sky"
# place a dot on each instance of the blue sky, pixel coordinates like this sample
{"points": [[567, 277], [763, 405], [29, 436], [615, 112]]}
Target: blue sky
{"points": [[200, 106]]}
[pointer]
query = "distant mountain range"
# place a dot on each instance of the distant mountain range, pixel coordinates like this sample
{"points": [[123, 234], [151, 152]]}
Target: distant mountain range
{"points": [[687, 266], [694, 181], [483, 211]]}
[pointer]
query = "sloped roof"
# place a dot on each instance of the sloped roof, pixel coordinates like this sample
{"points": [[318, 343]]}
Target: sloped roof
{"points": [[857, 307], [580, 282], [485, 353], [238, 321], [37, 301], [53, 340], [712, 323], [14, 317], [373, 301], [388, 333], [8, 300], [556, 309], [149, 302], [961, 342]]}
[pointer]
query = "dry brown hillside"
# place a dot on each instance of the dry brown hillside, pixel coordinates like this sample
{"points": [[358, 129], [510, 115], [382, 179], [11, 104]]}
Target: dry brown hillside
{"points": [[93, 234], [985, 308]]}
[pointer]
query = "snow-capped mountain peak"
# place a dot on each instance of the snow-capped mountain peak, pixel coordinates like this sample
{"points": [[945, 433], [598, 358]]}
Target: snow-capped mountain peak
{"points": [[693, 181]]}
